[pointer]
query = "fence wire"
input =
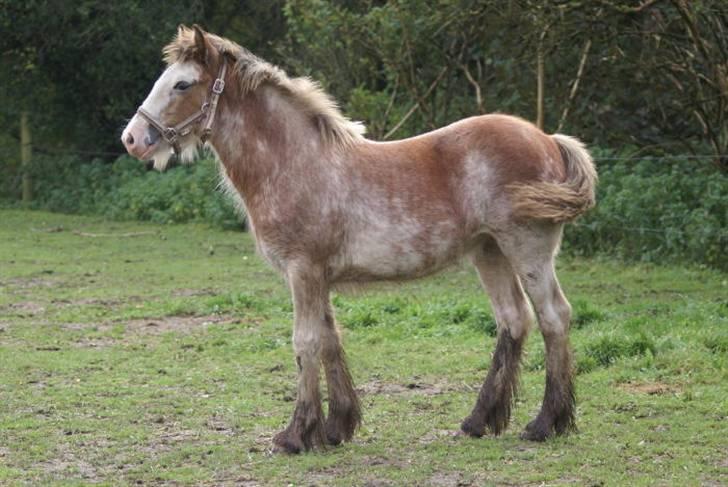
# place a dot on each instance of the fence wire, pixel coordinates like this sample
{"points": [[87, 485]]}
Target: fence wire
{"points": [[680, 230], [79, 152]]}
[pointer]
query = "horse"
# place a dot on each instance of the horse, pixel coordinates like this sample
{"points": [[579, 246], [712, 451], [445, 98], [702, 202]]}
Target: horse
{"points": [[329, 208]]}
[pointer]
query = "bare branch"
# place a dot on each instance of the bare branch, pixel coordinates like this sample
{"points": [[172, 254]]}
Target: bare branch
{"points": [[575, 86], [476, 85], [417, 104]]}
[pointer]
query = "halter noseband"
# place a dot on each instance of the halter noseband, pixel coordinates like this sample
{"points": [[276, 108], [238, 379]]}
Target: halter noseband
{"points": [[182, 129]]}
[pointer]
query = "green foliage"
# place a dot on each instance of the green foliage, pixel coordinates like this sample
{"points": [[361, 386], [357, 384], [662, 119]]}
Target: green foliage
{"points": [[655, 210], [381, 61], [238, 303], [718, 344], [607, 349], [436, 316], [81, 67], [584, 314], [125, 190], [652, 210]]}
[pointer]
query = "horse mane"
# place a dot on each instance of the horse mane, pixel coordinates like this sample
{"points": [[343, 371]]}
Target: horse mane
{"points": [[252, 71]]}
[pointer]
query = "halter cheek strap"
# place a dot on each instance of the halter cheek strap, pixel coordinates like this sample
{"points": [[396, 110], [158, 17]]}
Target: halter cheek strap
{"points": [[172, 135]]}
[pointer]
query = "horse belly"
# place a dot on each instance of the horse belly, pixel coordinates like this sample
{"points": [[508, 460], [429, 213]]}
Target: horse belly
{"points": [[386, 253]]}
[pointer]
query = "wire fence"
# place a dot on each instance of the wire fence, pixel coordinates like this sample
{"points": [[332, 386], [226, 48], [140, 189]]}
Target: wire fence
{"points": [[62, 152], [100, 153], [624, 224], [663, 157], [679, 230]]}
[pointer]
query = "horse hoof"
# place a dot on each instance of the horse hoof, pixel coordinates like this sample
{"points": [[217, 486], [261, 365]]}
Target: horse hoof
{"points": [[333, 440], [535, 432], [283, 443], [469, 428]]}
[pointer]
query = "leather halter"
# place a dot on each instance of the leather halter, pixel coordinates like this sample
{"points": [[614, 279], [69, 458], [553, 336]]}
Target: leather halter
{"points": [[173, 134]]}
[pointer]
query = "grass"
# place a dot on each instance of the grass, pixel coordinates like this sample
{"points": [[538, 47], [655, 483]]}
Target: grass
{"points": [[141, 354]]}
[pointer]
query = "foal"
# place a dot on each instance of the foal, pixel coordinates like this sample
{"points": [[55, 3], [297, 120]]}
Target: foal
{"points": [[328, 207]]}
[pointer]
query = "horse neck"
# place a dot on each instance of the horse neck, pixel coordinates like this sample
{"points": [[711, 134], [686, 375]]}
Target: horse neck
{"points": [[261, 135]]}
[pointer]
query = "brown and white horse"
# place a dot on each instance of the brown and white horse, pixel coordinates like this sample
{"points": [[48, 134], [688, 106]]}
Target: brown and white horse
{"points": [[329, 207]]}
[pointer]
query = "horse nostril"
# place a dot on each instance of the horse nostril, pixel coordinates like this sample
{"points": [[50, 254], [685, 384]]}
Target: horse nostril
{"points": [[130, 139], [152, 136]]}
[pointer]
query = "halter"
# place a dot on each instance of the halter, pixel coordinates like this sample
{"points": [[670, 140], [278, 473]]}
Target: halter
{"points": [[182, 129]]}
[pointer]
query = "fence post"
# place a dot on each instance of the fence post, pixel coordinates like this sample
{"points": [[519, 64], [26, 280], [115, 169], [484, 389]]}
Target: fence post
{"points": [[26, 153]]}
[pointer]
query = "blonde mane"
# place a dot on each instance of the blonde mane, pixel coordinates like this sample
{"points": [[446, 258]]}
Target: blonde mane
{"points": [[252, 71]]}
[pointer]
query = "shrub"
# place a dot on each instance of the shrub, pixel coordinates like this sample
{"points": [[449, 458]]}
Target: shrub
{"points": [[655, 210], [650, 209], [126, 190]]}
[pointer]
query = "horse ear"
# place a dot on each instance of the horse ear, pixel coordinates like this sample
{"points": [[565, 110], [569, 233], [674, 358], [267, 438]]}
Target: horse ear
{"points": [[200, 43]]}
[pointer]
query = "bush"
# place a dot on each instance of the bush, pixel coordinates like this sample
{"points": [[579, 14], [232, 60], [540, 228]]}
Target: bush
{"points": [[651, 210], [654, 210], [126, 190]]}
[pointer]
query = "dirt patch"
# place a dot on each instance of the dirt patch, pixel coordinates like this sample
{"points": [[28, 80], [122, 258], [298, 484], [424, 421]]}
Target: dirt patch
{"points": [[218, 424], [183, 324], [650, 388], [95, 301], [447, 479], [24, 308], [368, 470], [184, 293], [437, 435], [143, 327], [30, 282], [154, 326], [95, 342], [416, 388], [66, 464]]}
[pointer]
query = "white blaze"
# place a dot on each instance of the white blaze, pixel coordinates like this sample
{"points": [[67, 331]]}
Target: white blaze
{"points": [[159, 98]]}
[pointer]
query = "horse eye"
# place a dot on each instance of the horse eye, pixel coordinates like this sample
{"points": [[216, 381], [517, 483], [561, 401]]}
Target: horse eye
{"points": [[182, 85]]}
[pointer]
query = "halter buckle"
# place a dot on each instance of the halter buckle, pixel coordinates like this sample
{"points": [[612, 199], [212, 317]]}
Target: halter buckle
{"points": [[218, 86], [170, 135]]}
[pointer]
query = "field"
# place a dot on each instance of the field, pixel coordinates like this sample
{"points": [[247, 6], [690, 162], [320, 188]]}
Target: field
{"points": [[137, 354]]}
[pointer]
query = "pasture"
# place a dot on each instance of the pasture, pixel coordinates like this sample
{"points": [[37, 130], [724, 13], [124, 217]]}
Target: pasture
{"points": [[138, 354]]}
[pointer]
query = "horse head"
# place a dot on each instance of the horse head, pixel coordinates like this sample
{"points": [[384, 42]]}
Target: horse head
{"points": [[178, 113]]}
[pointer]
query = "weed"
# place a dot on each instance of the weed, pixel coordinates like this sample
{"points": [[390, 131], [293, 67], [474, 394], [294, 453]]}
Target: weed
{"points": [[585, 313], [606, 350]]}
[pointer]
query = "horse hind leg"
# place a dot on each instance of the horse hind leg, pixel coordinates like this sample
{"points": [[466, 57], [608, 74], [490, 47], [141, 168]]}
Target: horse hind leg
{"points": [[514, 318], [533, 258], [554, 313], [344, 410]]}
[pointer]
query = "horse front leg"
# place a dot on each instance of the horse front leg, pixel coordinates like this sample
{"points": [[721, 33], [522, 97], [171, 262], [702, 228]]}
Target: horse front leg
{"points": [[310, 296], [344, 409]]}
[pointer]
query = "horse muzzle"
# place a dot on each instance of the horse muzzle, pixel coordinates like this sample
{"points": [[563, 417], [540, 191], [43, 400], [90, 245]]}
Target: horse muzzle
{"points": [[140, 139]]}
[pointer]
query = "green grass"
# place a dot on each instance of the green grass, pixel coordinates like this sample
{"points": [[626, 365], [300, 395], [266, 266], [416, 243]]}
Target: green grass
{"points": [[141, 354]]}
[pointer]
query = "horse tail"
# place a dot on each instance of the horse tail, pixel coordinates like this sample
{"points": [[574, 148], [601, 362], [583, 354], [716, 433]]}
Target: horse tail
{"points": [[562, 201]]}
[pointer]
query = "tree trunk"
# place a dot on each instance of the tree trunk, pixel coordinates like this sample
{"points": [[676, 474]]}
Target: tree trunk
{"points": [[26, 153]]}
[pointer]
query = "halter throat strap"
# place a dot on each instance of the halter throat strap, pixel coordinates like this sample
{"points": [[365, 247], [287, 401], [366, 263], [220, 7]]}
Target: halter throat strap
{"points": [[172, 135]]}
